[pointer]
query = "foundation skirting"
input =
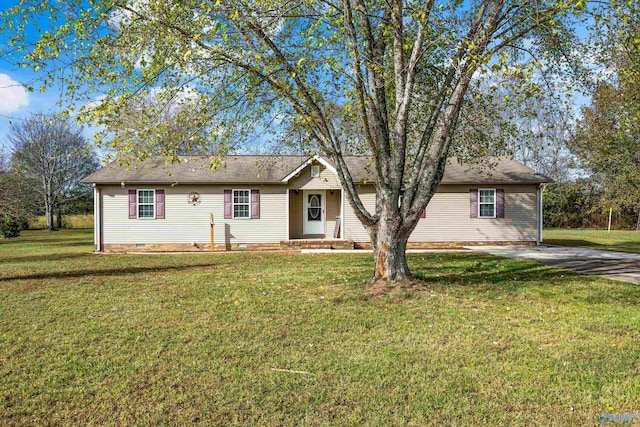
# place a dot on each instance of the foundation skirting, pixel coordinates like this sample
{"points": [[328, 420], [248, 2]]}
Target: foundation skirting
{"points": [[449, 245], [290, 245]]}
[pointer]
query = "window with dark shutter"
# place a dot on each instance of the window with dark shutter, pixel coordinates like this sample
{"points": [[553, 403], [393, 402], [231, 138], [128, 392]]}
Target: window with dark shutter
{"points": [[146, 204], [241, 204], [486, 203]]}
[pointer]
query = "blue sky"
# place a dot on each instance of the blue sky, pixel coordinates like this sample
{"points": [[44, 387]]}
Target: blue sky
{"points": [[16, 103]]}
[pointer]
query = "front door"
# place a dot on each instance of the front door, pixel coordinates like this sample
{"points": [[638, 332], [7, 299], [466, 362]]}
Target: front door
{"points": [[313, 212]]}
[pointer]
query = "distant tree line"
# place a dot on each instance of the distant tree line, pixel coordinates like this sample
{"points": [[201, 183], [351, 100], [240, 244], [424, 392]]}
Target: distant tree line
{"points": [[582, 203]]}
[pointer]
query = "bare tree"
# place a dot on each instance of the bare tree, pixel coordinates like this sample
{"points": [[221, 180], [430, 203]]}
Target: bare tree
{"points": [[51, 158]]}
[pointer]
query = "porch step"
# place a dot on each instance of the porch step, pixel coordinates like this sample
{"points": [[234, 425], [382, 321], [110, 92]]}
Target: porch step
{"points": [[297, 244]]}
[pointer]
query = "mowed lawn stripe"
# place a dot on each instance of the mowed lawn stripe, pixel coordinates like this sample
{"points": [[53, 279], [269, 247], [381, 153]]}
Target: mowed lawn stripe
{"points": [[616, 240]]}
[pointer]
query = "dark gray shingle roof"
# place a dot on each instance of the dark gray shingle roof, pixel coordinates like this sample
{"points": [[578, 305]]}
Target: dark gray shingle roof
{"points": [[273, 169], [495, 170], [197, 169]]}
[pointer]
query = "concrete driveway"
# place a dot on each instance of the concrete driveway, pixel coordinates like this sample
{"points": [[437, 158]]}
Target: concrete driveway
{"points": [[614, 265]]}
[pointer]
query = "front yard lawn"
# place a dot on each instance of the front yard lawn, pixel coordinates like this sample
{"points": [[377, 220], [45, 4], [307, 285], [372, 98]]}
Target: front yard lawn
{"points": [[618, 240], [289, 339]]}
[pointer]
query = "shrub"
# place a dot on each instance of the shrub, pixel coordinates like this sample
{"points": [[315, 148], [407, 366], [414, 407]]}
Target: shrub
{"points": [[10, 227]]}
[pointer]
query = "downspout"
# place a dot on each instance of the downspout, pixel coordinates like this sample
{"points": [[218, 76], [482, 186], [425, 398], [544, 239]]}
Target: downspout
{"points": [[97, 219], [540, 217]]}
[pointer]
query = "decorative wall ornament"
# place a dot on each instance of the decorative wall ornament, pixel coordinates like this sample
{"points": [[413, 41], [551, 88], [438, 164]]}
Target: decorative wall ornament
{"points": [[194, 198]]}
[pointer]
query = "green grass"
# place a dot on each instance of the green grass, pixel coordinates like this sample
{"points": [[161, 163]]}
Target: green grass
{"points": [[625, 241], [90, 339]]}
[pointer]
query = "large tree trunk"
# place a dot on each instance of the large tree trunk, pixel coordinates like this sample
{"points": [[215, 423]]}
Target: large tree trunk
{"points": [[389, 248], [59, 218], [49, 215]]}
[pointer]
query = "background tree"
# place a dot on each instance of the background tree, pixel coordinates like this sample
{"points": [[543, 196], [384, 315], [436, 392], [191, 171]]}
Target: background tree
{"points": [[13, 209], [608, 144], [401, 69], [50, 158], [543, 128], [607, 140], [574, 204], [530, 121], [157, 124]]}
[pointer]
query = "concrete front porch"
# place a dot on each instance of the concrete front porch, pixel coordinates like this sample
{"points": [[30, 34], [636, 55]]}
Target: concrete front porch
{"points": [[299, 244]]}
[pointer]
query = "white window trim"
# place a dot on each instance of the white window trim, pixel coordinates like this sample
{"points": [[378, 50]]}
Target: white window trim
{"points": [[315, 168], [146, 204], [495, 202], [233, 203]]}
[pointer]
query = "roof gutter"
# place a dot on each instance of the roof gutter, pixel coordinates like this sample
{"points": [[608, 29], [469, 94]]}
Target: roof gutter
{"points": [[539, 198]]}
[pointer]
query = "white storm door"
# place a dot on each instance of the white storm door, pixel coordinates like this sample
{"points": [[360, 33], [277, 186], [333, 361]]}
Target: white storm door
{"points": [[313, 212]]}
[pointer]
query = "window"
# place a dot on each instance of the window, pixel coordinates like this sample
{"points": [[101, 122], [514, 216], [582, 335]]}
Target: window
{"points": [[241, 204], [314, 207], [315, 171], [146, 204], [487, 203]]}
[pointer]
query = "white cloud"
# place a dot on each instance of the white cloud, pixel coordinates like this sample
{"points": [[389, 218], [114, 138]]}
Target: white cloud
{"points": [[12, 95]]}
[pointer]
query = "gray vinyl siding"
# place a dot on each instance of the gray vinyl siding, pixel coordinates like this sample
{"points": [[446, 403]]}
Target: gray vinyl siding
{"points": [[448, 220], [447, 215], [353, 228], [332, 209], [185, 223]]}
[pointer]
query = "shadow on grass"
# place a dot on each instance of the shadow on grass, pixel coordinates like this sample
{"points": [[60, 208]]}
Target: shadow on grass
{"points": [[121, 272], [624, 246], [457, 273], [39, 258], [505, 278], [78, 241], [512, 276]]}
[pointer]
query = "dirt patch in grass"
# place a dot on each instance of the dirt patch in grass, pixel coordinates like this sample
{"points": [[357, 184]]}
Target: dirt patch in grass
{"points": [[396, 290]]}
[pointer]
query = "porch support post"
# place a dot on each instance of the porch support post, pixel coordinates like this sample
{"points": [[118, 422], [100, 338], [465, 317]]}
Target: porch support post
{"points": [[287, 214], [341, 214]]}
